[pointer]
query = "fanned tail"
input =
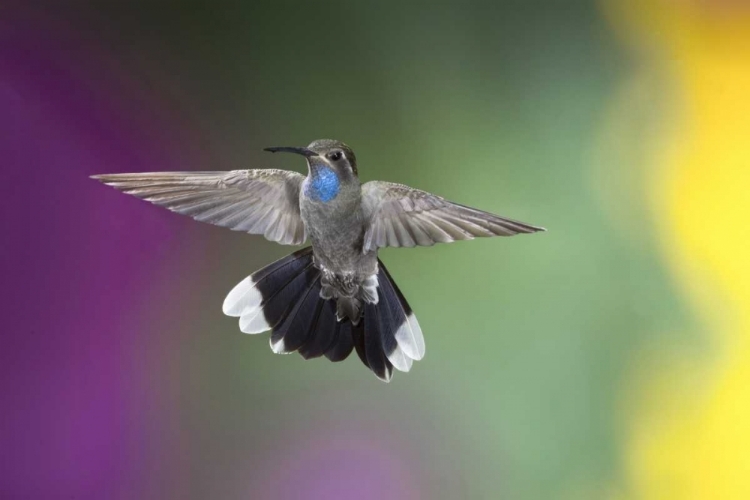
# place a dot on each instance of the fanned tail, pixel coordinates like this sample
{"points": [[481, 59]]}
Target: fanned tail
{"points": [[285, 297]]}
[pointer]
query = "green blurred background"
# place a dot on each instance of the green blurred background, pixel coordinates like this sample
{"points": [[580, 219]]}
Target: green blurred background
{"points": [[539, 348]]}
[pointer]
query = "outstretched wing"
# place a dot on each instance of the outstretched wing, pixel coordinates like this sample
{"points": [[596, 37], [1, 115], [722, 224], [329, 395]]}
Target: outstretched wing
{"points": [[400, 216], [255, 201]]}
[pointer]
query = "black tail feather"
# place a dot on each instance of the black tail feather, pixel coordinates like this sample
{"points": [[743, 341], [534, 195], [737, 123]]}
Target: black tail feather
{"points": [[292, 333], [358, 338], [397, 301], [285, 297], [295, 261], [376, 329], [342, 344], [323, 332], [390, 322]]}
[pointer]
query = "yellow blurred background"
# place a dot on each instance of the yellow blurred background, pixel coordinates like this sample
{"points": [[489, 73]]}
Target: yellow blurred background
{"points": [[687, 414]]}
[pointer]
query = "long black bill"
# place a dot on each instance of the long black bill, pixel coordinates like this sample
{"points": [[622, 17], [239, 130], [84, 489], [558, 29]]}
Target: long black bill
{"points": [[300, 151]]}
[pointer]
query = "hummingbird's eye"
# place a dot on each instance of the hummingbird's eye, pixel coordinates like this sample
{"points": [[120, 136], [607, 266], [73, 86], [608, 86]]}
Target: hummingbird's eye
{"points": [[335, 156]]}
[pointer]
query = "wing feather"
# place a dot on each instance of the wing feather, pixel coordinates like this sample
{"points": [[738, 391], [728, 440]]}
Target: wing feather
{"points": [[400, 216], [255, 201]]}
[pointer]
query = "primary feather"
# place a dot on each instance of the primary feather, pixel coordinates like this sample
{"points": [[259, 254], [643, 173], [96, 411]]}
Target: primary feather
{"points": [[262, 202], [400, 216]]}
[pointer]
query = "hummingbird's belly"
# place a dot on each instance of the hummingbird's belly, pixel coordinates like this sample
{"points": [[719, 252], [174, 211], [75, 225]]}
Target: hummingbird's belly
{"points": [[341, 253], [337, 244]]}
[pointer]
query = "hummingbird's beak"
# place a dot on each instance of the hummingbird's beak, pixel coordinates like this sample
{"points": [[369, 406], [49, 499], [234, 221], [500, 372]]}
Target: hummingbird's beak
{"points": [[300, 151]]}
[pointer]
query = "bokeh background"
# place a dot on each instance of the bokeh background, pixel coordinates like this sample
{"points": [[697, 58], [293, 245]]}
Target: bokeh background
{"points": [[606, 359]]}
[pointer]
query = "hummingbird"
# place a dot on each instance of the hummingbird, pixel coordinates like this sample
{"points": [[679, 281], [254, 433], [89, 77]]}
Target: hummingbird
{"points": [[335, 296]]}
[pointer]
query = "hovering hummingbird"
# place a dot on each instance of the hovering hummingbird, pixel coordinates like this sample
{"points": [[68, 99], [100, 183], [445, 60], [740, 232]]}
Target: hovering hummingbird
{"points": [[335, 296]]}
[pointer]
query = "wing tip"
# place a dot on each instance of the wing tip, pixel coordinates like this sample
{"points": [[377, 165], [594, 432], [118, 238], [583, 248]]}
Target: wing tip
{"points": [[521, 227], [107, 179]]}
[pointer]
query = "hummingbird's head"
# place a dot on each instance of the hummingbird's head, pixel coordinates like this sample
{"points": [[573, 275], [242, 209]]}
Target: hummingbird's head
{"points": [[326, 153]]}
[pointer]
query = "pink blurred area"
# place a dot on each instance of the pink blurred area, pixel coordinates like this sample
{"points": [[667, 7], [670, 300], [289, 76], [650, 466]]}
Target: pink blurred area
{"points": [[336, 466]]}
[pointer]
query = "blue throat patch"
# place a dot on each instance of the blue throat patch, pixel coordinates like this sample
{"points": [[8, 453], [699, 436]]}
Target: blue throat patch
{"points": [[324, 185]]}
